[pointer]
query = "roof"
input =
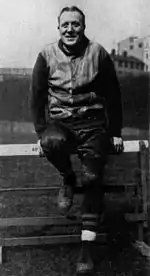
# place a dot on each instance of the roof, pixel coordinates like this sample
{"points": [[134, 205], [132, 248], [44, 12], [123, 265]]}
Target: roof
{"points": [[126, 58]]}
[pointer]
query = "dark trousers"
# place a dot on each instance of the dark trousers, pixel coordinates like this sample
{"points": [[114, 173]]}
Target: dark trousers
{"points": [[91, 145]]}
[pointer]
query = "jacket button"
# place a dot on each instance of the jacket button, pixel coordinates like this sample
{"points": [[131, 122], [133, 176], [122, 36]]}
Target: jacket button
{"points": [[71, 101]]}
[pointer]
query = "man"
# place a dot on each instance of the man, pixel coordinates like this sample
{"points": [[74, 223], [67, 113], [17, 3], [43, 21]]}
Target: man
{"points": [[76, 108]]}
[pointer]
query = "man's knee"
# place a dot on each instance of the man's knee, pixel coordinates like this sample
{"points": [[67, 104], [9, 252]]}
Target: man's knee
{"points": [[53, 140], [58, 138]]}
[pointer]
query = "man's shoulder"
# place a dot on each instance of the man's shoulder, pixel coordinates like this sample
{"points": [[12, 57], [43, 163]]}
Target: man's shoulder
{"points": [[49, 48], [97, 47]]}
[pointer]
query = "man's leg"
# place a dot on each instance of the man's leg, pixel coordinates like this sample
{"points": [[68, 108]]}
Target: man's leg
{"points": [[93, 154], [58, 142]]}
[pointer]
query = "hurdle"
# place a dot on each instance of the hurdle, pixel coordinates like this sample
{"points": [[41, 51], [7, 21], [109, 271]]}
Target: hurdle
{"points": [[139, 216]]}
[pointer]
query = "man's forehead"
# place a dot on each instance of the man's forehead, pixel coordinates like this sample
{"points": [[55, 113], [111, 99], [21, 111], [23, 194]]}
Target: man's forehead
{"points": [[70, 16]]}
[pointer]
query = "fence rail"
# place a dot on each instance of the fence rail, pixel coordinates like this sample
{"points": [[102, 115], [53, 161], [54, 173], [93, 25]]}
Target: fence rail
{"points": [[32, 149], [139, 215]]}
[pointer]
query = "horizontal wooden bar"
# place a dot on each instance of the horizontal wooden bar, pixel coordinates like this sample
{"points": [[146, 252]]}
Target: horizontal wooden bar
{"points": [[42, 240], [18, 149], [32, 149], [29, 189], [118, 187], [136, 217], [108, 187], [37, 221]]}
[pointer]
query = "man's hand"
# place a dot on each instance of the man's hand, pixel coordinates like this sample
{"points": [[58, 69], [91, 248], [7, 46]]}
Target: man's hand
{"points": [[117, 143], [40, 150]]}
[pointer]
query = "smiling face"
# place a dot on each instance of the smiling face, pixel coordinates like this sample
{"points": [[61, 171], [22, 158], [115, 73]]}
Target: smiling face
{"points": [[71, 28]]}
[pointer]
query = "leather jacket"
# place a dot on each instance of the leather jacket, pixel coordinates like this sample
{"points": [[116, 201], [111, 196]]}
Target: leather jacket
{"points": [[76, 86]]}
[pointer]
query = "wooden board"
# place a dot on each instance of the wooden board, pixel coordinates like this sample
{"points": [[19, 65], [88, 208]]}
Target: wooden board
{"points": [[36, 221], [32, 149], [41, 240]]}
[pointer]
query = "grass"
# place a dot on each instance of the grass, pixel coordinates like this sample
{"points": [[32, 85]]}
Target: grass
{"points": [[117, 258]]}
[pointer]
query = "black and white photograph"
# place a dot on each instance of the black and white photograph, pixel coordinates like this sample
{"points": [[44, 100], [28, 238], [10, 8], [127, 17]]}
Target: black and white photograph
{"points": [[74, 138]]}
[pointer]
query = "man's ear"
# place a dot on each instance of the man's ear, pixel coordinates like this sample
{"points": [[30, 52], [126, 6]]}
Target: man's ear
{"points": [[84, 26]]}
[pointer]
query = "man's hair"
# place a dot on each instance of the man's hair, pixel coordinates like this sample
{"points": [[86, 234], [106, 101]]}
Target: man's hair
{"points": [[72, 9]]}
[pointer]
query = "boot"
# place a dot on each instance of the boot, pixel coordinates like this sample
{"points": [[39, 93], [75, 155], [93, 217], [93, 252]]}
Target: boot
{"points": [[85, 264], [66, 193]]}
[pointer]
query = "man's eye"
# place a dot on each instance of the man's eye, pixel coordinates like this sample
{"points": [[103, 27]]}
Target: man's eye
{"points": [[65, 25], [76, 25]]}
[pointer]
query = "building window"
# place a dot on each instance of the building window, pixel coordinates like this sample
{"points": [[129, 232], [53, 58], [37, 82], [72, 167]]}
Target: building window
{"points": [[131, 47], [137, 66], [126, 64], [120, 63], [146, 55], [115, 63], [125, 53], [131, 39], [131, 64], [140, 45]]}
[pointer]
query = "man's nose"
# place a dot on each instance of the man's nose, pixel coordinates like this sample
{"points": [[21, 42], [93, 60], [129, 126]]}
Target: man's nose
{"points": [[70, 28]]}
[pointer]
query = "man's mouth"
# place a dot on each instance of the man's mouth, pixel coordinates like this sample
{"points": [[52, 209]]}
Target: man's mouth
{"points": [[71, 37]]}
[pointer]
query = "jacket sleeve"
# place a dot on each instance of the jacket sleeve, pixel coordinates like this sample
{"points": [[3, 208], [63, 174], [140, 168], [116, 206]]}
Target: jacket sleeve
{"points": [[112, 96], [39, 94]]}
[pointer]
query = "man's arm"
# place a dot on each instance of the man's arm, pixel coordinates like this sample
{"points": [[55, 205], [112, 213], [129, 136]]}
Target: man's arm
{"points": [[39, 94], [112, 95]]}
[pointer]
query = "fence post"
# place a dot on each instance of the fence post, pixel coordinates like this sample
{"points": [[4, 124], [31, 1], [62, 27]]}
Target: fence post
{"points": [[148, 189]]}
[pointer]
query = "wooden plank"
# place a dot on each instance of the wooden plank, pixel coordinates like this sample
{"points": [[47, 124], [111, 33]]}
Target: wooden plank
{"points": [[37, 221], [119, 188], [133, 146], [42, 240], [1, 255], [108, 187], [29, 189], [18, 149], [135, 217], [148, 196], [143, 166], [32, 149]]}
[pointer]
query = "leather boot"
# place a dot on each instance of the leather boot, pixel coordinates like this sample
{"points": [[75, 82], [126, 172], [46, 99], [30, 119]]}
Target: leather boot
{"points": [[66, 193], [85, 264]]}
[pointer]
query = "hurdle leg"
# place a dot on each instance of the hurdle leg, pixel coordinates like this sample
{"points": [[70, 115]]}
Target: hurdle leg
{"points": [[140, 231], [1, 254]]}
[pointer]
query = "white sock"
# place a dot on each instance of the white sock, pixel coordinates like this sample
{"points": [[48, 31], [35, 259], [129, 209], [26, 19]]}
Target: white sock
{"points": [[87, 235]]}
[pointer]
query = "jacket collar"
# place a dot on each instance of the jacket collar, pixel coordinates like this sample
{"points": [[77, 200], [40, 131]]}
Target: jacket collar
{"points": [[78, 51]]}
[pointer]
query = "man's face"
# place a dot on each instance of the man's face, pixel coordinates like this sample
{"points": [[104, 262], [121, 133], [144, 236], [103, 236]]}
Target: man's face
{"points": [[71, 28]]}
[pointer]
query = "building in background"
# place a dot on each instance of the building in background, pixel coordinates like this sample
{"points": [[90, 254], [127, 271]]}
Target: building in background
{"points": [[132, 56], [126, 64], [14, 72], [136, 47]]}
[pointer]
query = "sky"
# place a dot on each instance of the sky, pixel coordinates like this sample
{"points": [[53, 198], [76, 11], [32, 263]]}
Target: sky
{"points": [[27, 25]]}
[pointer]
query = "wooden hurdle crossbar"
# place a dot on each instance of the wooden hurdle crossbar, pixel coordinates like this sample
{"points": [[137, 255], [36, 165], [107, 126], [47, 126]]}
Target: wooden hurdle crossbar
{"points": [[33, 150]]}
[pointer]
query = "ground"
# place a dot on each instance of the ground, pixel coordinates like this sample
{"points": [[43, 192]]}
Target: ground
{"points": [[61, 261], [117, 258]]}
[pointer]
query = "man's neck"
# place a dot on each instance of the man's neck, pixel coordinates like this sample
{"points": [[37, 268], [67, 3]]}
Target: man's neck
{"points": [[76, 50], [70, 50]]}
